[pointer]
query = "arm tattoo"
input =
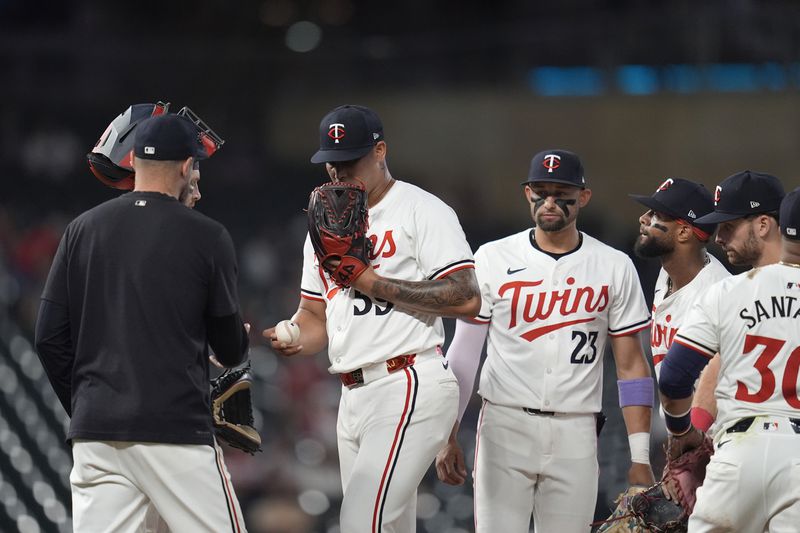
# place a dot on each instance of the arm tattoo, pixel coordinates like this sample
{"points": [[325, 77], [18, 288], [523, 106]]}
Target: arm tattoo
{"points": [[430, 296]]}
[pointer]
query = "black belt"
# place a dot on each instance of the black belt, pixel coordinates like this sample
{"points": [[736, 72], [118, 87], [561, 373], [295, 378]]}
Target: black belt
{"points": [[741, 426], [744, 424], [532, 411]]}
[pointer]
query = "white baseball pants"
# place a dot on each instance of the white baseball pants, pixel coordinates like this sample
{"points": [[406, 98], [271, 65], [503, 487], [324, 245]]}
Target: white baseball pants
{"points": [[115, 483], [752, 483], [389, 432], [540, 464]]}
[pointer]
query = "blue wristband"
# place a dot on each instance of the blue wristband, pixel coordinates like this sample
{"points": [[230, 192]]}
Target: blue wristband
{"points": [[678, 424]]}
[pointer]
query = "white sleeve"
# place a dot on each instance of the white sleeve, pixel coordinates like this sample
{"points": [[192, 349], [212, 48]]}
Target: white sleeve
{"points": [[312, 284], [441, 247], [483, 274], [464, 357], [628, 313], [700, 328]]}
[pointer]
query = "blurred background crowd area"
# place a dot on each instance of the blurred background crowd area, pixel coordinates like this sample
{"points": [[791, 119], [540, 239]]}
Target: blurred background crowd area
{"points": [[468, 92]]}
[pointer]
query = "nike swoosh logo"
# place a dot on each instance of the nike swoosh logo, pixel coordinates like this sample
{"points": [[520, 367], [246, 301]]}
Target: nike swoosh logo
{"points": [[722, 443], [509, 271], [445, 364], [657, 290]]}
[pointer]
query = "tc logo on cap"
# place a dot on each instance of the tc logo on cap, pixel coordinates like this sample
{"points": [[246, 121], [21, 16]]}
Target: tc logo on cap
{"points": [[666, 185], [551, 162], [336, 132]]}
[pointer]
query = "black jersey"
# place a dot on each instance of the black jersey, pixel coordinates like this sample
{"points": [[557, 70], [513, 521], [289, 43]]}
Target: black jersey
{"points": [[139, 279]]}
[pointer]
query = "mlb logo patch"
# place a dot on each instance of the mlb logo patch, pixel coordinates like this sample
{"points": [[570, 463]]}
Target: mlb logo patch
{"points": [[150, 150], [770, 426], [791, 231], [140, 203]]}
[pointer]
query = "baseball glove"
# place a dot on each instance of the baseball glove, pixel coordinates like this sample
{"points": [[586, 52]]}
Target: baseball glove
{"points": [[337, 224], [232, 409], [685, 473], [622, 520]]}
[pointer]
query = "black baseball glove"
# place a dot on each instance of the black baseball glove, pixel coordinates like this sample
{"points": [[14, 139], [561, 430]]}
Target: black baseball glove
{"points": [[232, 409], [337, 224]]}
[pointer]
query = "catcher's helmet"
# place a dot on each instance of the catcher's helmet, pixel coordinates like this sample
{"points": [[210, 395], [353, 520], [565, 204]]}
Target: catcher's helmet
{"points": [[111, 158]]}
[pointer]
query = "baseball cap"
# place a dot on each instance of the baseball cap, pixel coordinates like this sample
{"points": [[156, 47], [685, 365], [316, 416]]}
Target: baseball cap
{"points": [[168, 137], [556, 166], [790, 215], [683, 199], [348, 132], [745, 193]]}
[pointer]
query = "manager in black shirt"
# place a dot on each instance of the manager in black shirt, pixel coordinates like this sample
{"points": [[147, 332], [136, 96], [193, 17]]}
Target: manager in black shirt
{"points": [[139, 288]]}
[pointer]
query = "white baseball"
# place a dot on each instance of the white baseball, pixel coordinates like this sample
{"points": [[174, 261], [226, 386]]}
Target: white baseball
{"points": [[287, 332]]}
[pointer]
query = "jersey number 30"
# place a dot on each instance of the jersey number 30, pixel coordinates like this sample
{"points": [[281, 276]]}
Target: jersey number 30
{"points": [[789, 383]]}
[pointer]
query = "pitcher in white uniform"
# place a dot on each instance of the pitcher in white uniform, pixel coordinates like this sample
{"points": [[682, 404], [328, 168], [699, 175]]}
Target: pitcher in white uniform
{"points": [[384, 333], [753, 320], [551, 298]]}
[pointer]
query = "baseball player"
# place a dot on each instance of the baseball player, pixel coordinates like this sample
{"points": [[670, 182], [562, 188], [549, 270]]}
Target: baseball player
{"points": [[124, 342], [746, 209], [753, 320], [669, 231], [551, 298], [383, 333]]}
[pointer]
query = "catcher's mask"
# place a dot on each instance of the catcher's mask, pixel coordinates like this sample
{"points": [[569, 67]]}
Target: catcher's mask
{"points": [[111, 158]]}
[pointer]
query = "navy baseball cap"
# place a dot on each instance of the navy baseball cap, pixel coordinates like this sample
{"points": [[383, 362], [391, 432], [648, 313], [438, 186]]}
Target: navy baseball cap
{"points": [[683, 199], [745, 193], [556, 166], [790, 215], [347, 133], [168, 137]]}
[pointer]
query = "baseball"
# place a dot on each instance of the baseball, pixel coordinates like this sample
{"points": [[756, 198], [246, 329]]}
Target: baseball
{"points": [[287, 332]]}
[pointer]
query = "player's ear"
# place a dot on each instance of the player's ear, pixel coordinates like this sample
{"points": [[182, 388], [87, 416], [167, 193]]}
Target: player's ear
{"points": [[765, 225], [380, 150], [187, 166], [685, 233], [584, 196], [527, 192]]}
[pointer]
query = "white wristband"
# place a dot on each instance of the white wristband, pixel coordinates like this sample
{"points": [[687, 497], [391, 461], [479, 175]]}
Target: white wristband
{"points": [[640, 447]]}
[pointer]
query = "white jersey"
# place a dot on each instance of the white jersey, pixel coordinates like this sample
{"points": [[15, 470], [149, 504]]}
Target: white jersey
{"points": [[753, 321], [415, 237], [550, 319], [669, 312]]}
